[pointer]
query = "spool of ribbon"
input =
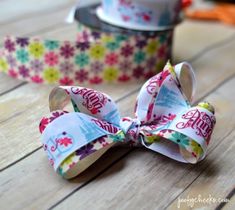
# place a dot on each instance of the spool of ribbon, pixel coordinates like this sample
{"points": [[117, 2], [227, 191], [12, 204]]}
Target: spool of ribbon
{"points": [[164, 122], [100, 53]]}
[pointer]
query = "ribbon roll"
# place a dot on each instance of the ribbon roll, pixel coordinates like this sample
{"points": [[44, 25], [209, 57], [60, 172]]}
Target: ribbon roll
{"points": [[164, 122], [100, 54]]}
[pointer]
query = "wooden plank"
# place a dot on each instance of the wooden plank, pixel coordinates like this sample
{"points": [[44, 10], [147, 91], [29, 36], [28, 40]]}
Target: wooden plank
{"points": [[32, 105], [36, 165], [152, 181], [231, 204], [36, 25], [57, 188], [52, 189], [7, 84], [193, 37]]}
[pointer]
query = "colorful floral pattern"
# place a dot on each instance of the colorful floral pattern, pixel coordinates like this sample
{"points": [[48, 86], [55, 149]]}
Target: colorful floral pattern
{"points": [[95, 58]]}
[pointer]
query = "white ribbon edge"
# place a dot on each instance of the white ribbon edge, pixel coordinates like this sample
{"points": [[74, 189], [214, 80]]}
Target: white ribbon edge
{"points": [[178, 71]]}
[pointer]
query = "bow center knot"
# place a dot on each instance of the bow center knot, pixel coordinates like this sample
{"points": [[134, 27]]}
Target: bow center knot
{"points": [[131, 128]]}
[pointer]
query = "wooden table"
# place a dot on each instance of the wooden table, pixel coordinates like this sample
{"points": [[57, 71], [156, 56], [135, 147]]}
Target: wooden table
{"points": [[123, 178]]}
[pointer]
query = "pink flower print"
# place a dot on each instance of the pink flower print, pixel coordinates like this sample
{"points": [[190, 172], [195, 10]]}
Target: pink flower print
{"points": [[24, 72], [51, 59], [126, 18], [111, 59], [43, 124], [146, 17], [72, 164], [67, 51], [37, 79], [127, 50], [12, 73], [66, 141], [85, 35], [161, 133], [9, 45], [138, 72], [96, 80], [81, 75], [66, 81], [124, 78]]}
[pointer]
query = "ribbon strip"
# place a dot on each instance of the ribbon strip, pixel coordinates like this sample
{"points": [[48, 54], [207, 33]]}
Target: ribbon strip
{"points": [[164, 122], [95, 57]]}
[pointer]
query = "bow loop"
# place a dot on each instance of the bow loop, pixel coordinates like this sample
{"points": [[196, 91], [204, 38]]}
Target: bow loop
{"points": [[177, 83], [87, 101]]}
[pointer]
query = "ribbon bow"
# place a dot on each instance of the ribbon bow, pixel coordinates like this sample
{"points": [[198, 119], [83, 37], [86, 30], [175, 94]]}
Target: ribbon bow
{"points": [[164, 122]]}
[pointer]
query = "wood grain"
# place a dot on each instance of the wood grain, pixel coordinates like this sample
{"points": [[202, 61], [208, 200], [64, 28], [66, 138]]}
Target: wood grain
{"points": [[231, 203], [29, 8], [50, 187], [26, 105], [193, 37], [123, 178]]}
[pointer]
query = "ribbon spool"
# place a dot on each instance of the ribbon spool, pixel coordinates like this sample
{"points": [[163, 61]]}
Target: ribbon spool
{"points": [[164, 122], [142, 15], [101, 54]]}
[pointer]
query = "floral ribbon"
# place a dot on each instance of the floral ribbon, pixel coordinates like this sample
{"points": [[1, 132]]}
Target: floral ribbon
{"points": [[164, 122], [94, 57]]}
